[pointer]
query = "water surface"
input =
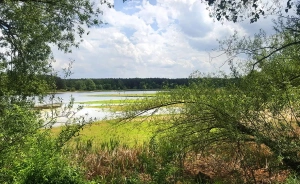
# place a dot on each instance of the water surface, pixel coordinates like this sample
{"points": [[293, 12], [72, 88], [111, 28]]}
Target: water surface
{"points": [[96, 113]]}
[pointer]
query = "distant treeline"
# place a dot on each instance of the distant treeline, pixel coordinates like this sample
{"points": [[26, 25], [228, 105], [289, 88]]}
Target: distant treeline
{"points": [[127, 83]]}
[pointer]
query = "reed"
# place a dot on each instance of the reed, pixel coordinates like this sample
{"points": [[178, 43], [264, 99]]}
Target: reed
{"points": [[162, 161]]}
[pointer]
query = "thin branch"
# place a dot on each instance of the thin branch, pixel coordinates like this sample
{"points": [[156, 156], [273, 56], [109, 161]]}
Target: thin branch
{"points": [[274, 51]]}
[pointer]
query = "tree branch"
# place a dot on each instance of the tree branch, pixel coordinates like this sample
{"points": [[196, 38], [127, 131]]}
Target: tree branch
{"points": [[274, 51]]}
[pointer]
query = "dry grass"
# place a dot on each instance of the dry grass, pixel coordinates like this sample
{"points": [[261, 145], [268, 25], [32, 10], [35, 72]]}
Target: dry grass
{"points": [[229, 164], [120, 162], [248, 163]]}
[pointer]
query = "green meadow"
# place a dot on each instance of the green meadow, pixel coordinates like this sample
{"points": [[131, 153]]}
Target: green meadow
{"points": [[112, 105], [126, 133], [110, 101], [124, 95]]}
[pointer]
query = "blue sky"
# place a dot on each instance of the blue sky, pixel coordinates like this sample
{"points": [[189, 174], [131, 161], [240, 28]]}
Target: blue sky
{"points": [[153, 38]]}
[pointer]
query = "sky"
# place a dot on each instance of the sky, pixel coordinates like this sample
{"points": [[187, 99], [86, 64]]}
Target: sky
{"points": [[153, 38]]}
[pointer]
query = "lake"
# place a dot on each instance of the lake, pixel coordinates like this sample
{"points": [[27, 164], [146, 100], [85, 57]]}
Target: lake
{"points": [[65, 115]]}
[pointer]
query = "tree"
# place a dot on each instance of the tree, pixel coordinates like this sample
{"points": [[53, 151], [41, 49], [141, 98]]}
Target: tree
{"points": [[80, 85], [271, 59], [254, 9], [60, 83], [261, 109], [285, 25], [90, 85], [257, 108], [28, 29]]}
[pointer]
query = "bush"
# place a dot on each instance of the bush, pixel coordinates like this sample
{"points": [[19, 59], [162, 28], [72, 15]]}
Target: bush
{"points": [[41, 162]]}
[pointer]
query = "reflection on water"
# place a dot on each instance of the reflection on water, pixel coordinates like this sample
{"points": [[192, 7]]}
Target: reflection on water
{"points": [[64, 114]]}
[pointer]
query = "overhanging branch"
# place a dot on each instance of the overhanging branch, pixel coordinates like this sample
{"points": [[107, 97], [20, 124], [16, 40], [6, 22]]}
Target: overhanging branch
{"points": [[274, 51]]}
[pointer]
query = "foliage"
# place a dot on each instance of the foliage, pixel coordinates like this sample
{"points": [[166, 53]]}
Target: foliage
{"points": [[80, 85], [126, 84], [292, 179], [260, 107], [39, 162], [28, 30], [165, 165], [253, 9], [254, 115], [114, 162], [262, 46], [90, 85], [29, 155], [120, 84]]}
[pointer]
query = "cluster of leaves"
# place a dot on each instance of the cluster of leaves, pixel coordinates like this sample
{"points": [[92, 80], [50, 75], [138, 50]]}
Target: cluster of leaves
{"points": [[253, 9], [37, 160]]}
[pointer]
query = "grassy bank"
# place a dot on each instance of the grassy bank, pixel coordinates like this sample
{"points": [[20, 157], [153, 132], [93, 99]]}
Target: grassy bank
{"points": [[123, 152]]}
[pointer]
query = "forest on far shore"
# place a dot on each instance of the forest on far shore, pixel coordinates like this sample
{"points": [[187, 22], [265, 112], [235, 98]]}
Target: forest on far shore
{"points": [[127, 83]]}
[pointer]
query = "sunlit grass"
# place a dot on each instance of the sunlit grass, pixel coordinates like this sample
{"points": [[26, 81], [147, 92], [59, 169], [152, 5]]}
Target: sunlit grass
{"points": [[128, 133], [118, 105], [124, 101], [125, 95], [112, 108], [112, 105]]}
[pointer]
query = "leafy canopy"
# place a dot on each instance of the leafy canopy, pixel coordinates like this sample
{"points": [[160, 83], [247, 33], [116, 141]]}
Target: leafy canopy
{"points": [[232, 10]]}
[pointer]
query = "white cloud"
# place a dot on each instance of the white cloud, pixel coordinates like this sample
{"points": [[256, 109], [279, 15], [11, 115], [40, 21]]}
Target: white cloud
{"points": [[169, 39]]}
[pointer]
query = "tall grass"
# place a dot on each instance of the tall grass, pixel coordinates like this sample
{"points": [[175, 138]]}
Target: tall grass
{"points": [[114, 162], [163, 161], [112, 152], [130, 133]]}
